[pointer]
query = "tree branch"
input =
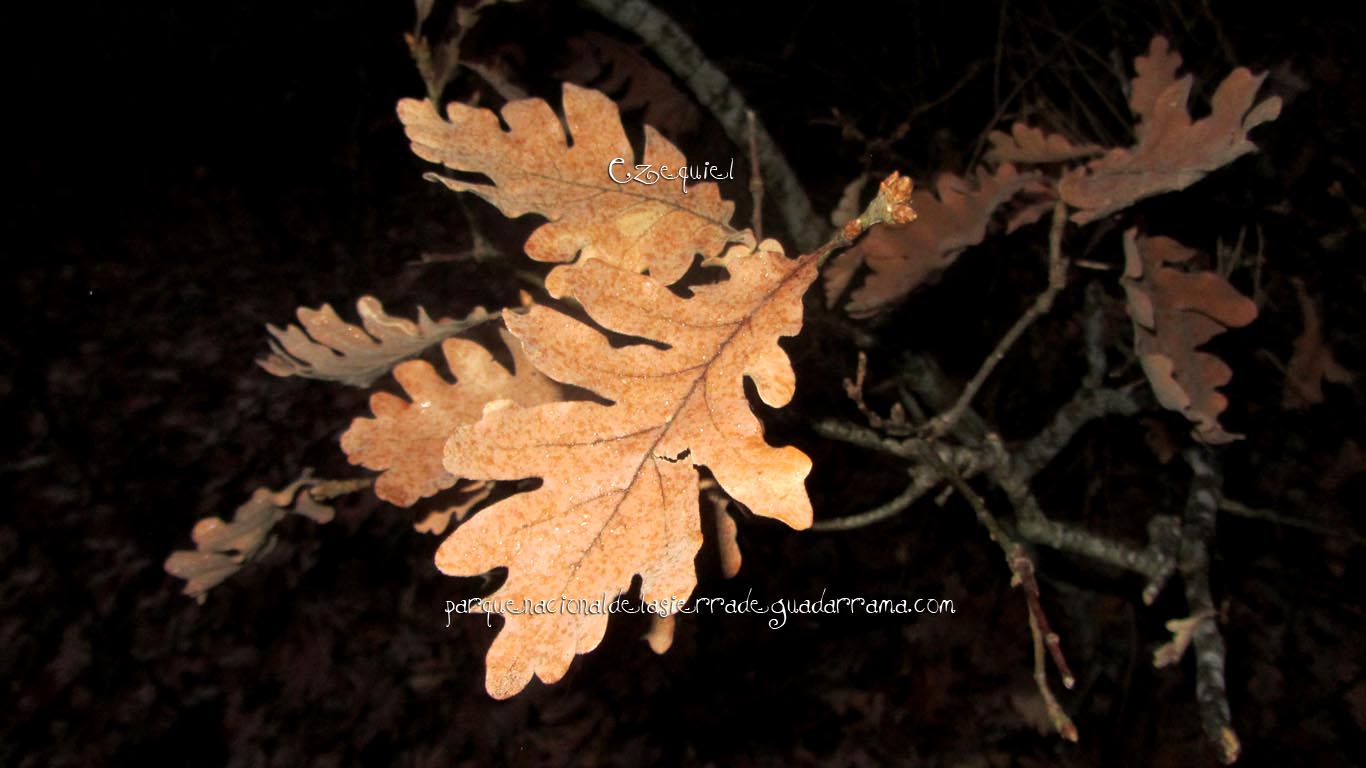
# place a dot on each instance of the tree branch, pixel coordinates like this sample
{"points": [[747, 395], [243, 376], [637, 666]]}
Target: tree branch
{"points": [[715, 91], [1197, 532], [1057, 278]]}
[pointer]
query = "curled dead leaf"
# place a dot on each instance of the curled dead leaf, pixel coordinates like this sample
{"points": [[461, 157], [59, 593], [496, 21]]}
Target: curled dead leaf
{"points": [[903, 257], [1174, 313], [222, 547], [325, 347]]}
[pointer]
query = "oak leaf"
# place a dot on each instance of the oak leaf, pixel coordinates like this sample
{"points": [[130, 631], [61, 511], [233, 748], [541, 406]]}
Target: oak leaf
{"points": [[727, 537], [1028, 145], [1312, 362], [660, 635], [619, 492], [222, 548], [534, 169], [903, 257], [616, 68], [1173, 151], [325, 347], [1175, 312], [1154, 73], [404, 439]]}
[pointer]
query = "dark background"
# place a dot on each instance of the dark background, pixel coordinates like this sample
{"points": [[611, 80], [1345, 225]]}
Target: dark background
{"points": [[183, 173]]}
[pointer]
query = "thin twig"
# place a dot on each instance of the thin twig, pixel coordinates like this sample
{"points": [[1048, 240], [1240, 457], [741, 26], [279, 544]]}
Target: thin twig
{"points": [[894, 423], [1085, 406], [1037, 528], [1239, 509], [929, 383], [908, 448], [1057, 278], [1022, 575], [921, 483]]}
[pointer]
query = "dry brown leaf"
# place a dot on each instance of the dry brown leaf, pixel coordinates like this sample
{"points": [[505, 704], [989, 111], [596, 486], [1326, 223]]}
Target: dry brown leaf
{"points": [[1172, 151], [202, 571], [902, 257], [1312, 362], [613, 67], [661, 633], [1153, 74], [619, 492], [345, 353], [438, 56], [1183, 632], [222, 547], [533, 169], [404, 439], [1028, 145], [1174, 313], [726, 538]]}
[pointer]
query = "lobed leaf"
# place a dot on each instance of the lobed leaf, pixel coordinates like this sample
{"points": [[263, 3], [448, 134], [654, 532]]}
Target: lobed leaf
{"points": [[223, 547], [1173, 151], [534, 168], [616, 68], [404, 439], [1174, 313], [903, 257], [325, 347], [619, 492], [1028, 145]]}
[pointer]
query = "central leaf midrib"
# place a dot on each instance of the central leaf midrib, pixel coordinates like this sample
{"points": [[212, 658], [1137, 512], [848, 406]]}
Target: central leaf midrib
{"points": [[667, 425]]}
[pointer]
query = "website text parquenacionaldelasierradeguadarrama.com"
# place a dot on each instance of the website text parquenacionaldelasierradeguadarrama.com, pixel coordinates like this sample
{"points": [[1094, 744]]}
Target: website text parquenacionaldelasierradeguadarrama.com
{"points": [[779, 610]]}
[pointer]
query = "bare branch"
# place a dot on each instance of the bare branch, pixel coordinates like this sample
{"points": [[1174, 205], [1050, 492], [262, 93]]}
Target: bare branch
{"points": [[1057, 278], [715, 91], [1197, 534]]}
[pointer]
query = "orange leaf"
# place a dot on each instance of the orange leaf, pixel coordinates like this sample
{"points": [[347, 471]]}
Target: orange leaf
{"points": [[727, 538], [342, 352], [660, 636], [1172, 151], [903, 257], [1174, 313], [619, 492], [405, 437], [534, 169], [222, 548]]}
